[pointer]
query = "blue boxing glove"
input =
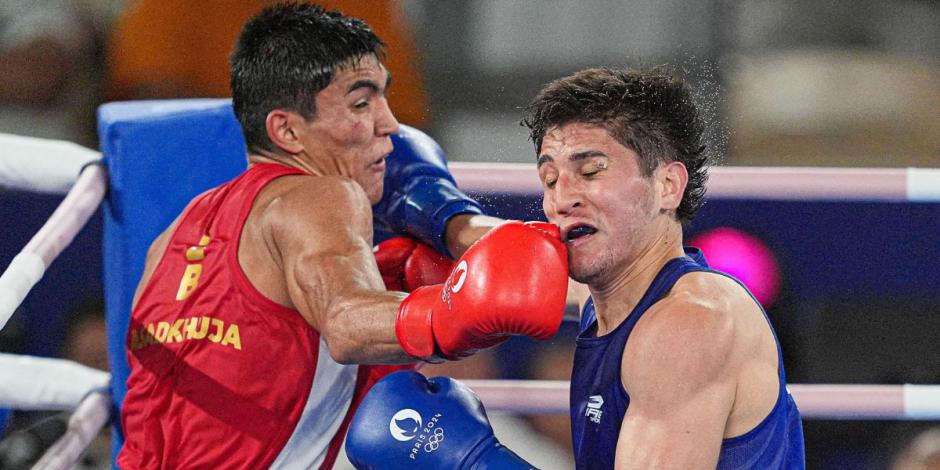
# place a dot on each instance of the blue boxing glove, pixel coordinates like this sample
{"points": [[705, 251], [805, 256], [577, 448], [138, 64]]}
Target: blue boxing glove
{"points": [[420, 193], [409, 422]]}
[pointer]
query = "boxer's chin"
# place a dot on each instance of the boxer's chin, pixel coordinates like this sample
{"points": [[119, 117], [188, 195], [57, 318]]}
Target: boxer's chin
{"points": [[374, 191], [584, 269]]}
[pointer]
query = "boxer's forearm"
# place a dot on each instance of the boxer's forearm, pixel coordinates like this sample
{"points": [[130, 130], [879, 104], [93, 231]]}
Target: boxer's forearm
{"points": [[464, 230], [362, 330]]}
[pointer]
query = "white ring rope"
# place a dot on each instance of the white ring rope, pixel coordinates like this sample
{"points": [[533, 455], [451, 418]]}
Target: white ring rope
{"points": [[51, 166], [816, 401], [43, 383], [730, 182], [41, 165], [68, 219], [86, 422]]}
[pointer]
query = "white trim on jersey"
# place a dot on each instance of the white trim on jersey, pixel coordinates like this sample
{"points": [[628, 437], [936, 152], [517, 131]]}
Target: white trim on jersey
{"points": [[329, 400]]}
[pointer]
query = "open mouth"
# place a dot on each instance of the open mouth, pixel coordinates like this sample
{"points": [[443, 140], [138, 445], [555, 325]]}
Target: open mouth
{"points": [[379, 163], [578, 231]]}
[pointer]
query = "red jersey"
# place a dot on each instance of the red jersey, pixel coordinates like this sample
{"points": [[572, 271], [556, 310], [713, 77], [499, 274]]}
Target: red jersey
{"points": [[221, 376]]}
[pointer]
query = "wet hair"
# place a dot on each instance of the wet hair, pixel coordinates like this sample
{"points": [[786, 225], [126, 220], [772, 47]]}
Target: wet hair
{"points": [[287, 54], [648, 111]]}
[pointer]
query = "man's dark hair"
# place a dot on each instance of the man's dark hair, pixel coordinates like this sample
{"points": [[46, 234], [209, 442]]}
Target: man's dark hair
{"points": [[648, 111], [285, 56]]}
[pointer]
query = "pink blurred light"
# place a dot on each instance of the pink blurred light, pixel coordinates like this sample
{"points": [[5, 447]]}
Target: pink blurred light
{"points": [[743, 256]]}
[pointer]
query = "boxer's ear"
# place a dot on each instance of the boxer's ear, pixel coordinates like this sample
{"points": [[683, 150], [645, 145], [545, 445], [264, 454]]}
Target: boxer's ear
{"points": [[281, 126], [672, 178]]}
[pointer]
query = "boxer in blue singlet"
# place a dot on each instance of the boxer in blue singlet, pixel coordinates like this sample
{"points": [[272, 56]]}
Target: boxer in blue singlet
{"points": [[677, 365]]}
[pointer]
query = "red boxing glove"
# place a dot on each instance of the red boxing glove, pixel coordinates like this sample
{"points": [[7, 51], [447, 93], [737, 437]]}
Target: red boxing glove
{"points": [[513, 281], [407, 264]]}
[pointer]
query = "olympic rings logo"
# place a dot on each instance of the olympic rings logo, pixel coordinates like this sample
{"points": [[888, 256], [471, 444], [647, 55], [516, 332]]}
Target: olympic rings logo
{"points": [[435, 440]]}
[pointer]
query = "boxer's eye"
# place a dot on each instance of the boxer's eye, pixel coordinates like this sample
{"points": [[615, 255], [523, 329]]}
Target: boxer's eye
{"points": [[594, 167], [549, 177]]}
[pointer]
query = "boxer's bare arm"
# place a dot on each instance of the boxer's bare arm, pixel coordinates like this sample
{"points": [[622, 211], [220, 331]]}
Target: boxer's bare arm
{"points": [[679, 369], [321, 232], [463, 230]]}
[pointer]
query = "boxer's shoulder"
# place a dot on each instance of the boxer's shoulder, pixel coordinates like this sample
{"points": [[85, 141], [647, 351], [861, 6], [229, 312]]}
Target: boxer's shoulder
{"points": [[715, 306], [687, 332], [313, 202]]}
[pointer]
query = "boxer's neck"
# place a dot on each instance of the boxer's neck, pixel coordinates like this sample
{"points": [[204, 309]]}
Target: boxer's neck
{"points": [[291, 161], [614, 300]]}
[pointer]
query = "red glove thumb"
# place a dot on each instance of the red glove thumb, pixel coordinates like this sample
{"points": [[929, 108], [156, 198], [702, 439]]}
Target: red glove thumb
{"points": [[391, 256], [549, 228], [426, 267]]}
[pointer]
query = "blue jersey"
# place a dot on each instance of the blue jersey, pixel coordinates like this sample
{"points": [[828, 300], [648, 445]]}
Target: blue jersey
{"points": [[599, 401]]}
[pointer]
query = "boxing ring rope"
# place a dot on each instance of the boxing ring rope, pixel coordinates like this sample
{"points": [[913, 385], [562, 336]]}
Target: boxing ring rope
{"points": [[816, 401], [40, 383], [28, 267], [44, 383], [730, 182], [41, 165], [49, 385], [91, 415]]}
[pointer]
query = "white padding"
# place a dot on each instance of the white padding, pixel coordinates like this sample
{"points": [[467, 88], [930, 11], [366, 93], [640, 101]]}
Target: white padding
{"points": [[41, 165], [922, 401], [923, 184], [24, 272], [40, 383]]}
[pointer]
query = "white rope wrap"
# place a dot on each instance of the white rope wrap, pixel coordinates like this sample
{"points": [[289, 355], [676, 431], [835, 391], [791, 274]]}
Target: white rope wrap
{"points": [[42, 383], [922, 401], [41, 165], [57, 233], [24, 272], [923, 185]]}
